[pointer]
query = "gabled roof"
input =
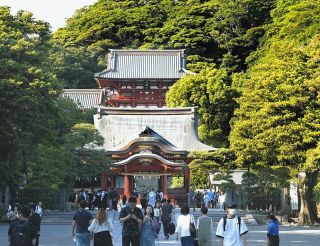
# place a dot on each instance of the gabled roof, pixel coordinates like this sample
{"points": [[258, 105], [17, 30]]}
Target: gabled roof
{"points": [[178, 126], [144, 64], [85, 98]]}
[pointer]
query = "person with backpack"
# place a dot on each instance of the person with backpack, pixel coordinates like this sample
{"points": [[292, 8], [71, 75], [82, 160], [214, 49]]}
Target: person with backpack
{"points": [[159, 196], [22, 232], [35, 219], [131, 218], [231, 230], [166, 214]]}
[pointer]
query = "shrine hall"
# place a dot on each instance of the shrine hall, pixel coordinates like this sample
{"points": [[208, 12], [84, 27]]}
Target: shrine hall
{"points": [[148, 142]]}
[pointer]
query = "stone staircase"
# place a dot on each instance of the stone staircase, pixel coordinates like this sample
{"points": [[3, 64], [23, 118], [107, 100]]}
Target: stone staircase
{"points": [[62, 218]]}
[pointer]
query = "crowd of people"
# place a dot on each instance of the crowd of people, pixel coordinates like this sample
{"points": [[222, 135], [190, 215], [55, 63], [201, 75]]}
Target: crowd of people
{"points": [[208, 199], [100, 199], [140, 226]]}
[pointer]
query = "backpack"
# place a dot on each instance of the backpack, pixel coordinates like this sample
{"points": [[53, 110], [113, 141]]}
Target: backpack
{"points": [[21, 235], [158, 197], [225, 222]]}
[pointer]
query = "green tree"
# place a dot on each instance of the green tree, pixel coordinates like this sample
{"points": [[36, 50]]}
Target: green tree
{"points": [[277, 121], [225, 31], [28, 90], [204, 163], [211, 92], [74, 67]]}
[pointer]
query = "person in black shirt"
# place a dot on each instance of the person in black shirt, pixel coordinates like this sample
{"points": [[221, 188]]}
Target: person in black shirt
{"points": [[80, 224], [21, 231], [35, 219], [132, 218], [166, 214]]}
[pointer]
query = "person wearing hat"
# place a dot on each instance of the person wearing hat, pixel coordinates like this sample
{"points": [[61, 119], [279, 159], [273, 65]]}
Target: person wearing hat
{"points": [[231, 230]]}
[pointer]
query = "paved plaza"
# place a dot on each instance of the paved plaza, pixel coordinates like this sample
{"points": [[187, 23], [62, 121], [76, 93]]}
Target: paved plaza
{"points": [[59, 234]]}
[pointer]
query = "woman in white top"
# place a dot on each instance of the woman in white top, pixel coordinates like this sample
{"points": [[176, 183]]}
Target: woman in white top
{"points": [[39, 209], [101, 229], [123, 202], [183, 227]]}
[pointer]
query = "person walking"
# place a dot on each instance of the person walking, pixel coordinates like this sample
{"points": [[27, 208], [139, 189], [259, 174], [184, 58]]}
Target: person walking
{"points": [[152, 198], [166, 213], [206, 199], [183, 226], [231, 230], [191, 199], [144, 199], [157, 215], [123, 202], [149, 228], [101, 229], [39, 209], [35, 219], [273, 230], [204, 225], [132, 218], [221, 201], [21, 231], [80, 224], [211, 198]]}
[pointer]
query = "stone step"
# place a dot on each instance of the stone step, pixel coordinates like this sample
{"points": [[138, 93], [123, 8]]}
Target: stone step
{"points": [[214, 214]]}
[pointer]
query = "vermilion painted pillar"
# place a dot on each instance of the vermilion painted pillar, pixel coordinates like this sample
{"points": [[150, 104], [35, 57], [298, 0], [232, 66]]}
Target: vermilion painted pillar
{"points": [[187, 179], [111, 182], [165, 184], [126, 184], [104, 180]]}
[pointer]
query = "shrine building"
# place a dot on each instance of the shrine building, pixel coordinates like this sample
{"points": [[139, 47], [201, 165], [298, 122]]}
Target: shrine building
{"points": [[148, 142]]}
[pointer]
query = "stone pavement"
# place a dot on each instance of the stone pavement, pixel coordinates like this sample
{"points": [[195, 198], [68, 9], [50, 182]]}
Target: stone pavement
{"points": [[58, 233]]}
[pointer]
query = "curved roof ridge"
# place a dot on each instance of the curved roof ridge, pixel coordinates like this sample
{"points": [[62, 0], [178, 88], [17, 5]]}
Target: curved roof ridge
{"points": [[149, 155]]}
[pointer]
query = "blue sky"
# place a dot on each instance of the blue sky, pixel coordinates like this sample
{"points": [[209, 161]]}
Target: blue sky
{"points": [[53, 11]]}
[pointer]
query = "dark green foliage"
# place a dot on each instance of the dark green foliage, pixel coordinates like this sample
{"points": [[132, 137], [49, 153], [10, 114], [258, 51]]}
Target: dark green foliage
{"points": [[262, 187], [277, 122], [211, 92], [204, 163], [223, 30], [38, 150]]}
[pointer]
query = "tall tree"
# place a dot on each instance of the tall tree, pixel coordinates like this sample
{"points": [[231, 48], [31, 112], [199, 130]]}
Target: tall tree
{"points": [[28, 90], [277, 121]]}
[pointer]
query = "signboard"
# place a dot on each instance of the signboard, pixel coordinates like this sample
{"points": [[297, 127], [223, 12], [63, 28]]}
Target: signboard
{"points": [[294, 195]]}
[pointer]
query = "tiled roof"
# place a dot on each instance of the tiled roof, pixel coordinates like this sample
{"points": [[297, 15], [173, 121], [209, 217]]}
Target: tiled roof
{"points": [[85, 98], [178, 126], [144, 64]]}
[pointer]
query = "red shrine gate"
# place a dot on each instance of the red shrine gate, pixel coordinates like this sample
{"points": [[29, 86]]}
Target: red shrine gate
{"points": [[153, 162], [148, 142]]}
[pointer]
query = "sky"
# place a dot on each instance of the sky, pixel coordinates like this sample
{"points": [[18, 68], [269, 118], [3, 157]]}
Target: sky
{"points": [[53, 11]]}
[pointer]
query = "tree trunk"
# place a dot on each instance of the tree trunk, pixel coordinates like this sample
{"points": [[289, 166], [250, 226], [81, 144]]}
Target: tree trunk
{"points": [[308, 210]]}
